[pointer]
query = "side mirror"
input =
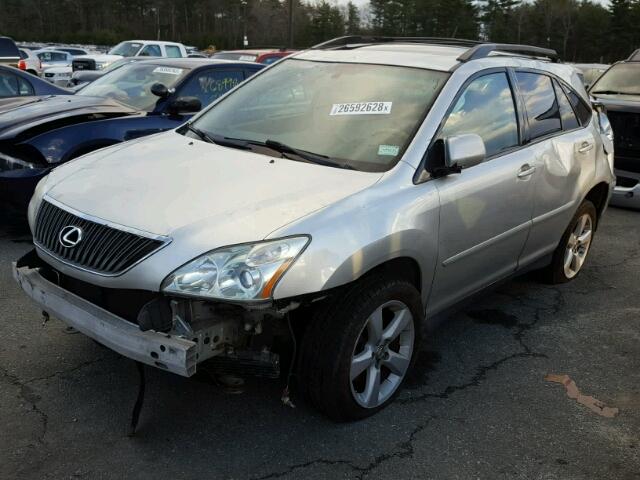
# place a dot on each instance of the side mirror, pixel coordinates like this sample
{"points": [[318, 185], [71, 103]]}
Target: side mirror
{"points": [[160, 90], [464, 151], [183, 105]]}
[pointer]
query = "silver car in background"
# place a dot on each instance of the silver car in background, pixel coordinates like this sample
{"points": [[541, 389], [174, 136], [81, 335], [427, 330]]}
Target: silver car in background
{"points": [[327, 206]]}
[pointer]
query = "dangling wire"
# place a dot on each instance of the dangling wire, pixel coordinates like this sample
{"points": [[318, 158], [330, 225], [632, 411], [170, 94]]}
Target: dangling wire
{"points": [[137, 408]]}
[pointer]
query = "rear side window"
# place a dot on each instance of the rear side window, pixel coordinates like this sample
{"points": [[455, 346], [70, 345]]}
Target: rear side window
{"points": [[210, 84], [583, 111], [486, 108], [541, 104], [569, 120], [173, 51]]}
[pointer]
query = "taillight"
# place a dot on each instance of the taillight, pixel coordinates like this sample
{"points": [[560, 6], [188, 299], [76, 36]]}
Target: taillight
{"points": [[22, 65]]}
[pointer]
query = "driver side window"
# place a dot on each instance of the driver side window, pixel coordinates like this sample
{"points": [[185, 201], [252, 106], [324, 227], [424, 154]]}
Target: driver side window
{"points": [[486, 108], [151, 51]]}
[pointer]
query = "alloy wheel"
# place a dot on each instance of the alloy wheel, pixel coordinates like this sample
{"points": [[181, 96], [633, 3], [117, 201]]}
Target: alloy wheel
{"points": [[578, 246], [382, 354]]}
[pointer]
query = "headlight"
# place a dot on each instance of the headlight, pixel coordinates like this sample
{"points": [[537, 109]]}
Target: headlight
{"points": [[241, 272], [36, 199], [11, 163], [101, 65]]}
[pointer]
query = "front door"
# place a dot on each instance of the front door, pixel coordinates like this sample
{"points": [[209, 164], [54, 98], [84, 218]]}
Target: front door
{"points": [[485, 212]]}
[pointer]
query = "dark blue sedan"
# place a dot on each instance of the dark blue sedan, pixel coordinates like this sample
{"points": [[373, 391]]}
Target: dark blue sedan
{"points": [[139, 99], [16, 83]]}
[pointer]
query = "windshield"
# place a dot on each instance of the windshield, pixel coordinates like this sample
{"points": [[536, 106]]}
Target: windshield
{"points": [[126, 49], [131, 84], [362, 115], [623, 78]]}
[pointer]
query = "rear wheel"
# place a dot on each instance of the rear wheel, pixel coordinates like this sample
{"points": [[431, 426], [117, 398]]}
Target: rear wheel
{"points": [[572, 251], [357, 352]]}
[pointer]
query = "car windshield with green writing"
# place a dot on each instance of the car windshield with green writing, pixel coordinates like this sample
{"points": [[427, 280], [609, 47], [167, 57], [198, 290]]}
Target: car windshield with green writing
{"points": [[362, 116], [131, 84]]}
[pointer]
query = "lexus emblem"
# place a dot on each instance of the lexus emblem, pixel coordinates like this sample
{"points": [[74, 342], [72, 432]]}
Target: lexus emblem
{"points": [[70, 236]]}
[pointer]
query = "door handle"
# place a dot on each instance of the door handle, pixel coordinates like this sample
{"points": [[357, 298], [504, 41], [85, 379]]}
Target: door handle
{"points": [[585, 147], [526, 170]]}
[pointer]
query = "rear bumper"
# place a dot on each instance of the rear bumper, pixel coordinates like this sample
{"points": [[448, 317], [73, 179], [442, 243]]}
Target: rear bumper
{"points": [[629, 194], [164, 351]]}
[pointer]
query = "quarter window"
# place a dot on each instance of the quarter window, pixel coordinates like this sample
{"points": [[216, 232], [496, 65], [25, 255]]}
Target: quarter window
{"points": [[486, 108], [569, 120], [579, 106], [540, 102]]}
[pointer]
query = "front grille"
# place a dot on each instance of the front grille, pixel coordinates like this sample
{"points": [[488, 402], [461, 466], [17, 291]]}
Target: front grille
{"points": [[84, 64], [101, 248], [626, 139]]}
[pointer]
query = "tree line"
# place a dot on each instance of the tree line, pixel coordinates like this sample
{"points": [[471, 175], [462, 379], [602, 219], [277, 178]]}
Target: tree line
{"points": [[580, 30]]}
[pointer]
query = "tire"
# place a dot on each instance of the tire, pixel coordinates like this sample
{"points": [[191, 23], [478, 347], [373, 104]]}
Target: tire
{"points": [[345, 329], [558, 272]]}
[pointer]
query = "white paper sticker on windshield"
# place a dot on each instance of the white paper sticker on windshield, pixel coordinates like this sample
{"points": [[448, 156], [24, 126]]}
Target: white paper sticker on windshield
{"points": [[247, 58], [388, 150], [169, 70], [361, 108]]}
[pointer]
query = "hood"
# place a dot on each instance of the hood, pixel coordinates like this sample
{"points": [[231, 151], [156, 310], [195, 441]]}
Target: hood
{"points": [[620, 103], [63, 69], [17, 117], [168, 184], [100, 58]]}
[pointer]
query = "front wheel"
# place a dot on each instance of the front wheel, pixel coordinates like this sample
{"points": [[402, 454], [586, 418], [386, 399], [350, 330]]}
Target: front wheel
{"points": [[357, 352], [572, 251]]}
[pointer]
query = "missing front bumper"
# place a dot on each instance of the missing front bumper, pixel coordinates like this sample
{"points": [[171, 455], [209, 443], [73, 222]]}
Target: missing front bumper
{"points": [[161, 350]]}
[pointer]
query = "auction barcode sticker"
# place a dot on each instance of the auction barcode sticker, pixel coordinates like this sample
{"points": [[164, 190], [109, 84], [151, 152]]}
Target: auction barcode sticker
{"points": [[170, 70], [361, 108]]}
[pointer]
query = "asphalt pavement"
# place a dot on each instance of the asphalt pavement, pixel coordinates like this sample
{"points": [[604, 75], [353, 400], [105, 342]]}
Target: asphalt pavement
{"points": [[479, 406]]}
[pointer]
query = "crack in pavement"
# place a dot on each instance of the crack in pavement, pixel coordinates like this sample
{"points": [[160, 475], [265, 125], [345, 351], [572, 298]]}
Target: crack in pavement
{"points": [[27, 394], [406, 449], [403, 449], [61, 372]]}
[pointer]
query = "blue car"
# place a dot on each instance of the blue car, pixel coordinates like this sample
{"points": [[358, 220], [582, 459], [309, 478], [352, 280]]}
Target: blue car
{"points": [[139, 99], [16, 83]]}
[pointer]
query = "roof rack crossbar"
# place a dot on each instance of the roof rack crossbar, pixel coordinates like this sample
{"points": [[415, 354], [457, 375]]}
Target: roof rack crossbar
{"points": [[485, 49], [359, 40]]}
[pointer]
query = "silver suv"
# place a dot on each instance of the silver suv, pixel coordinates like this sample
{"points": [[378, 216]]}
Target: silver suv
{"points": [[321, 210]]}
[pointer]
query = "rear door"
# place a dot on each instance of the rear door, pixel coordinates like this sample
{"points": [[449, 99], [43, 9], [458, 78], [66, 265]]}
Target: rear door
{"points": [[485, 212], [562, 136]]}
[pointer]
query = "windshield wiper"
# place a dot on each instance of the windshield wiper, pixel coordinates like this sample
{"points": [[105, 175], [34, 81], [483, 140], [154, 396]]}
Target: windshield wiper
{"points": [[219, 140], [282, 148], [613, 92], [304, 154]]}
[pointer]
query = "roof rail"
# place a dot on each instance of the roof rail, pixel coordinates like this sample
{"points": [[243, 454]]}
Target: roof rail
{"points": [[355, 41], [635, 56], [485, 49]]}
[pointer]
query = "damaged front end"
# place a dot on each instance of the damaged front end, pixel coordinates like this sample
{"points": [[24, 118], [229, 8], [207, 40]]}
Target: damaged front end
{"points": [[170, 333]]}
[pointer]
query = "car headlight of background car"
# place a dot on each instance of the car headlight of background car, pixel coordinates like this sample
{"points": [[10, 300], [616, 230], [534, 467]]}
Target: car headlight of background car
{"points": [[102, 65], [240, 272], [8, 162]]}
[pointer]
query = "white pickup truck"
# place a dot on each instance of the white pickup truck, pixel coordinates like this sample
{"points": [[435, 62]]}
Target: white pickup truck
{"points": [[130, 48]]}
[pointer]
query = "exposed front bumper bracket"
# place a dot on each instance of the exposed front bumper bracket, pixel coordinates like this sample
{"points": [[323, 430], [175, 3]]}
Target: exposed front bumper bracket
{"points": [[161, 350]]}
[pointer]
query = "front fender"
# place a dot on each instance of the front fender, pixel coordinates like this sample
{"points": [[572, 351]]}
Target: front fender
{"points": [[62, 144], [392, 219]]}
